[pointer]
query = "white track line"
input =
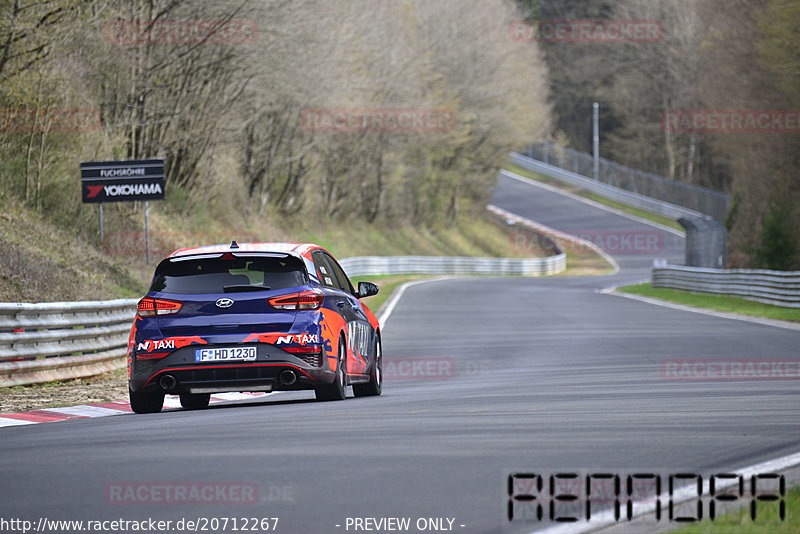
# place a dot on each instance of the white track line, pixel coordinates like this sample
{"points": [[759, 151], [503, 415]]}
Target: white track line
{"points": [[539, 227], [239, 396], [590, 202], [606, 519], [172, 401], [735, 316], [86, 411], [5, 421], [390, 304]]}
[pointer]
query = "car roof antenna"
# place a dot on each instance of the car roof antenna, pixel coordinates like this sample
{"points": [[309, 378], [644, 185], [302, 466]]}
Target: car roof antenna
{"points": [[234, 244]]}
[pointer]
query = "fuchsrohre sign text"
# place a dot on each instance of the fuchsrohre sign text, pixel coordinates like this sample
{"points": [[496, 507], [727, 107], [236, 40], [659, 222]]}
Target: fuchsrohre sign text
{"points": [[119, 181]]}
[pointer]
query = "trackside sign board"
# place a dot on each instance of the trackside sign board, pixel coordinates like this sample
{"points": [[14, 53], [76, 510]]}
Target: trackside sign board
{"points": [[120, 181]]}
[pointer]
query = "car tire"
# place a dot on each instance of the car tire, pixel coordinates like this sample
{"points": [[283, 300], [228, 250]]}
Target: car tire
{"points": [[374, 387], [197, 401], [142, 402], [338, 389]]}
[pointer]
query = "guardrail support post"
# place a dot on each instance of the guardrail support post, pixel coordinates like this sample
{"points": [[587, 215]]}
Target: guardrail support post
{"points": [[147, 229]]}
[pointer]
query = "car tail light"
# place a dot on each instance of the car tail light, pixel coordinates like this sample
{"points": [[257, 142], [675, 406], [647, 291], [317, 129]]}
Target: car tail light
{"points": [[305, 300], [152, 355], [308, 349], [152, 307]]}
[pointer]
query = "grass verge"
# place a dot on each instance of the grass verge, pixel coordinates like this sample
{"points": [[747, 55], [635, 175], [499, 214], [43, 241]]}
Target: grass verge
{"points": [[767, 521], [666, 221], [388, 284], [483, 237], [583, 261], [715, 302]]}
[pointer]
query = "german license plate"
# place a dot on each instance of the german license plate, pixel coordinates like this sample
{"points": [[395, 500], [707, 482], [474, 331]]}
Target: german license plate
{"points": [[225, 354]]}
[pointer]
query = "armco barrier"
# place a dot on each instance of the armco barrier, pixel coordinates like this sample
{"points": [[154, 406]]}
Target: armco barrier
{"points": [[375, 265], [780, 288], [60, 340], [63, 340], [675, 192]]}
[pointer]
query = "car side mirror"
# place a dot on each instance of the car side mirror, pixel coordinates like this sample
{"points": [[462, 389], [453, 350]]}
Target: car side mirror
{"points": [[367, 289]]}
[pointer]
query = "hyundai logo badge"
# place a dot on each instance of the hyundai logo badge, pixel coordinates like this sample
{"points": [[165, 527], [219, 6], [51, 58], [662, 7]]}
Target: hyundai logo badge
{"points": [[224, 303]]}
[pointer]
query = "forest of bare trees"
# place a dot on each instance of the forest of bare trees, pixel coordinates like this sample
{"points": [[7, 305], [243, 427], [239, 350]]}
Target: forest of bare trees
{"points": [[225, 111], [714, 55], [222, 91]]}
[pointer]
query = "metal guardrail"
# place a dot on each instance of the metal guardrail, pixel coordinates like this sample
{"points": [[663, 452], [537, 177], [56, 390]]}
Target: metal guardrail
{"points": [[550, 233], [780, 288], [62, 340], [65, 340], [375, 265], [607, 191], [690, 196]]}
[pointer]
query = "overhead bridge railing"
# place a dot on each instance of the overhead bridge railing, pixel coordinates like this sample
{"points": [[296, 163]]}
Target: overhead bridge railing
{"points": [[645, 184], [779, 288], [610, 192], [62, 340]]}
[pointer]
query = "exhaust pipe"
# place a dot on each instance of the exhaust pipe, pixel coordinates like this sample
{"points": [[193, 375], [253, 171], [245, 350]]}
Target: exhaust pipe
{"points": [[287, 378], [167, 382]]}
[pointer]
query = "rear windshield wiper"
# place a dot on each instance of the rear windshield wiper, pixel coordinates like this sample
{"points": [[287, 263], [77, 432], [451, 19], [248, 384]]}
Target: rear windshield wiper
{"points": [[244, 287]]}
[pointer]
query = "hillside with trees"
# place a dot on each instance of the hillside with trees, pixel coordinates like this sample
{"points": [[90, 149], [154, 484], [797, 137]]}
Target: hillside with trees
{"points": [[228, 108], [228, 118], [733, 55]]}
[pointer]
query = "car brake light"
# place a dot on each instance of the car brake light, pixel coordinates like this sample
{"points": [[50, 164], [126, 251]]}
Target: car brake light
{"points": [[304, 300], [152, 307], [151, 355], [309, 349]]}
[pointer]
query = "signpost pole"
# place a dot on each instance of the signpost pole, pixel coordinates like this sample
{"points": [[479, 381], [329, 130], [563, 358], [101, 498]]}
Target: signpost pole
{"points": [[147, 228], [123, 181]]}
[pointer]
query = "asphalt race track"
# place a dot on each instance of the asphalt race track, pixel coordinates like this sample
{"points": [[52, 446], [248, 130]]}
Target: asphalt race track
{"points": [[512, 375]]}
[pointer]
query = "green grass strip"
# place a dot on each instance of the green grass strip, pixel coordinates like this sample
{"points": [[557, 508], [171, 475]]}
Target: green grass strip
{"points": [[660, 219], [715, 302], [767, 519]]}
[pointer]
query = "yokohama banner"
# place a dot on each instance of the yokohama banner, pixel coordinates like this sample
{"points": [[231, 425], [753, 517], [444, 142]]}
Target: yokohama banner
{"points": [[120, 181]]}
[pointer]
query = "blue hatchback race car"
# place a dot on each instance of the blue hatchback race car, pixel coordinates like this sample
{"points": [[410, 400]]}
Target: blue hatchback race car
{"points": [[252, 317]]}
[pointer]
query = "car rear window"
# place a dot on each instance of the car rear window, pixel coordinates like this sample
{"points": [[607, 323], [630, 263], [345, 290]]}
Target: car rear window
{"points": [[228, 274]]}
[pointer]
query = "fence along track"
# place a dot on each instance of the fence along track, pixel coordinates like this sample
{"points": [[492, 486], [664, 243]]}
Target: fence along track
{"points": [[60, 340], [779, 288], [64, 340]]}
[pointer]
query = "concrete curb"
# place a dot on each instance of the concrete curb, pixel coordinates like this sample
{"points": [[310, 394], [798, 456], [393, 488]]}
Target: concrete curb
{"points": [[105, 409]]}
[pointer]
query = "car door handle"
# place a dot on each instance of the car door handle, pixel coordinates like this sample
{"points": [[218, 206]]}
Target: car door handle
{"points": [[340, 304]]}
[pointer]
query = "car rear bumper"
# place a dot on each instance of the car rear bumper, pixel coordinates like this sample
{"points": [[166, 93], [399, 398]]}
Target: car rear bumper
{"points": [[274, 369]]}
